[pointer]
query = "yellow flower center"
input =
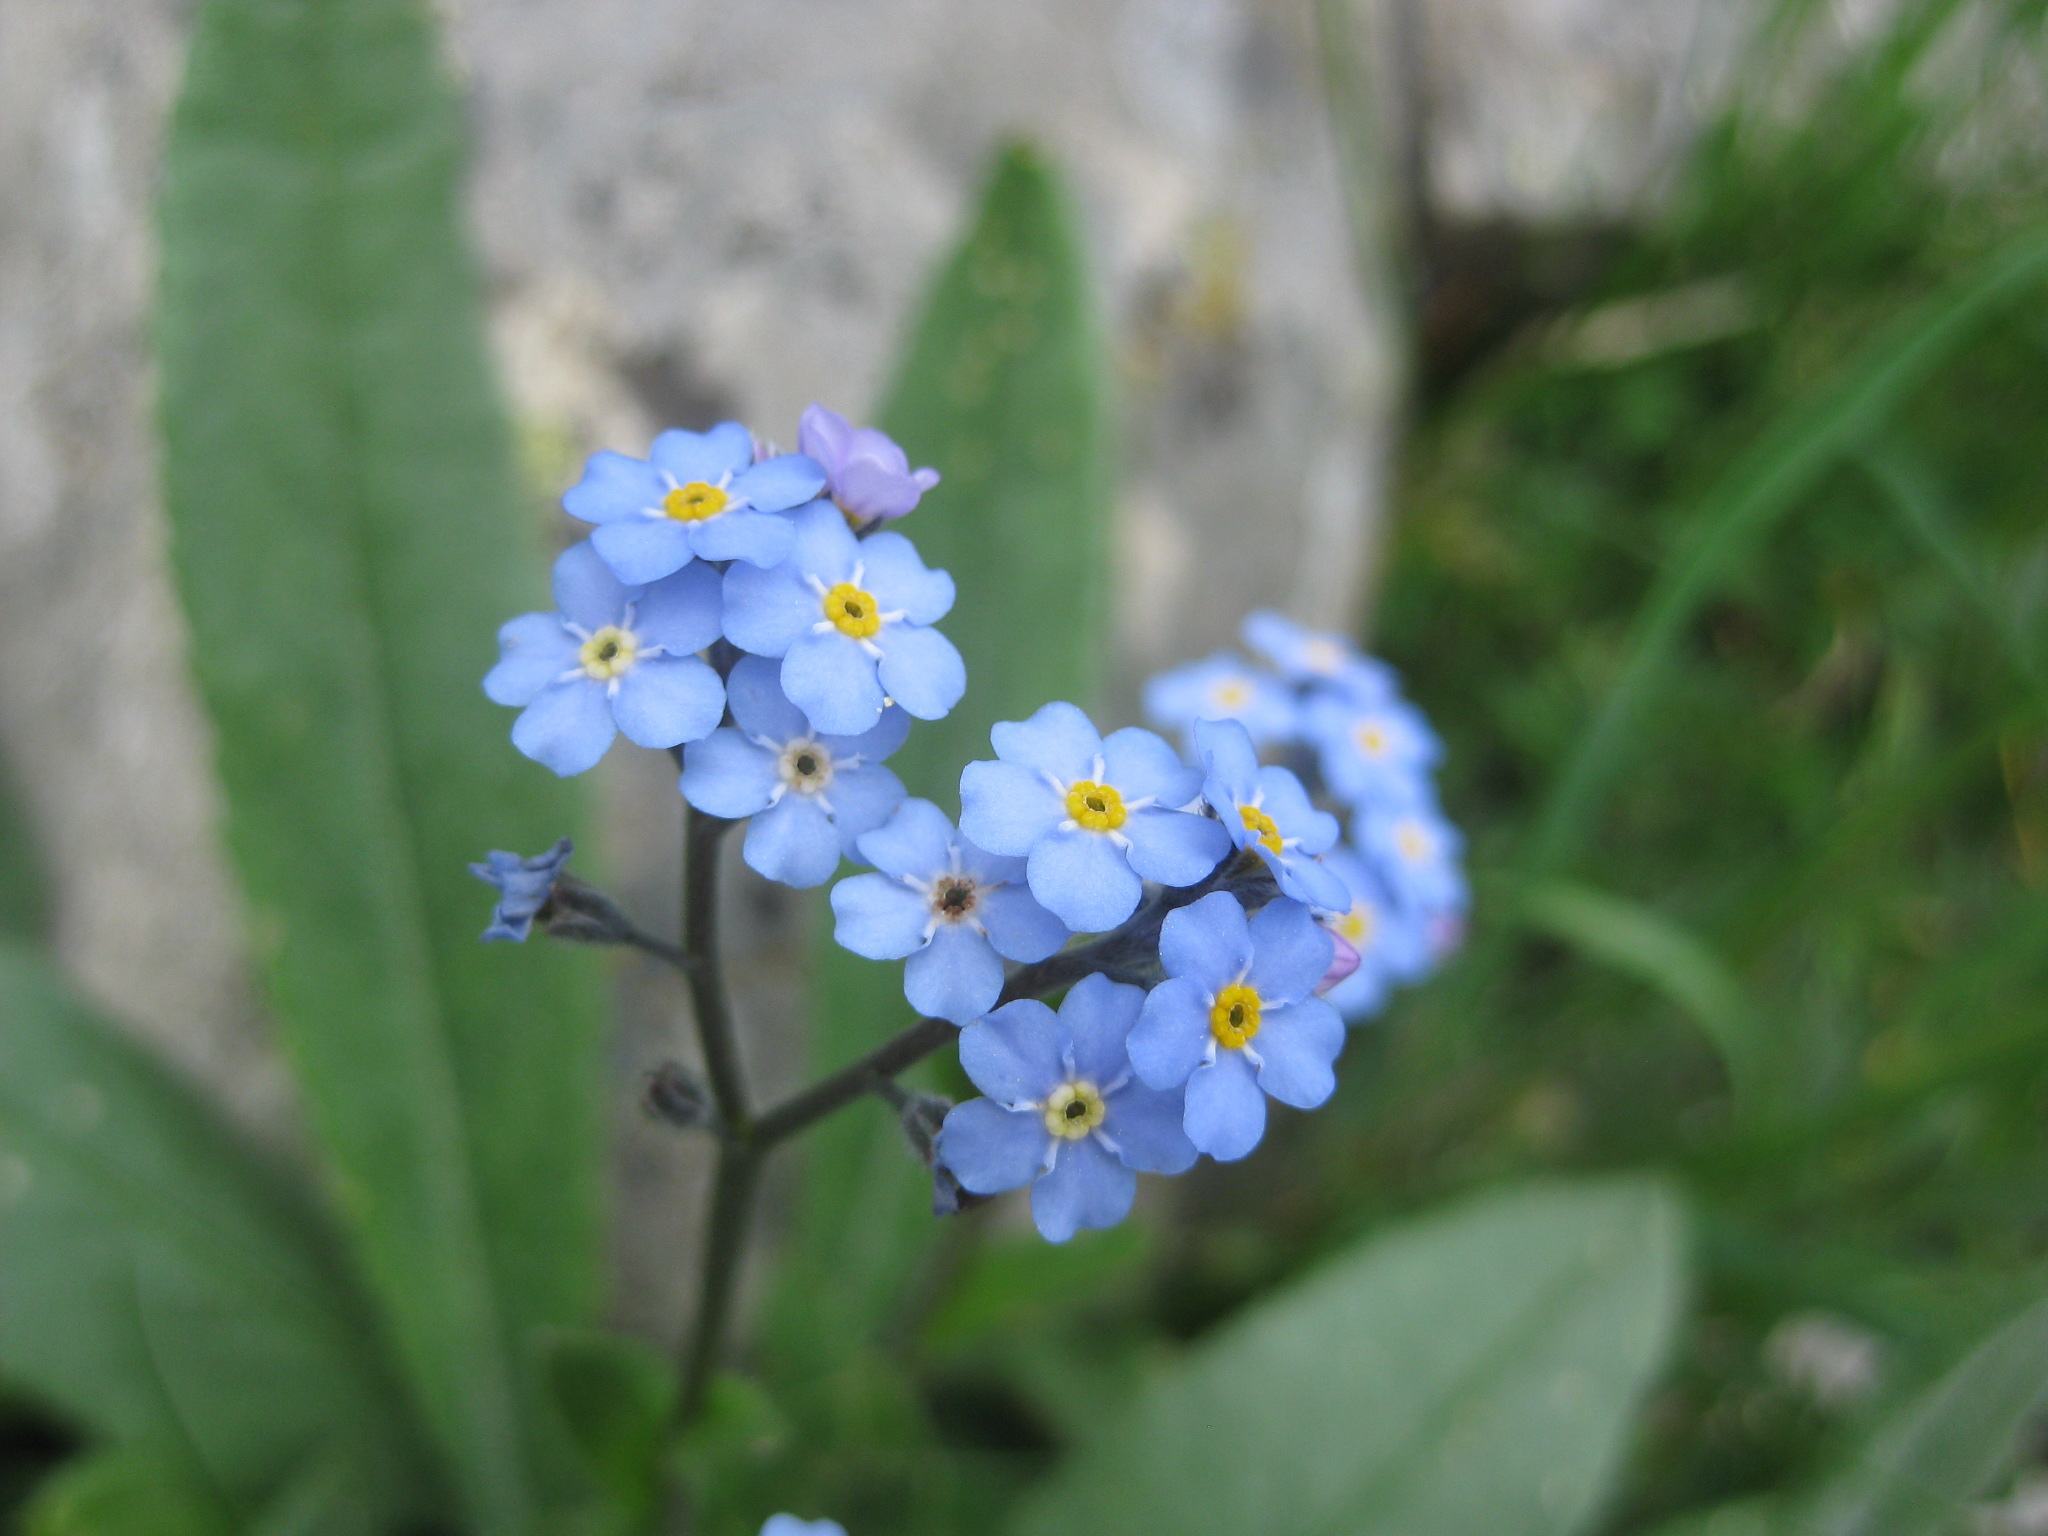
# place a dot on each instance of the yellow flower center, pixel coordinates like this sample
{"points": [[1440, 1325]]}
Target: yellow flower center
{"points": [[852, 611], [805, 767], [1356, 926], [608, 652], [1095, 806], [1322, 655], [1073, 1110], [1371, 737], [1231, 694], [1234, 1016], [1412, 842], [1261, 826], [695, 502], [954, 899]]}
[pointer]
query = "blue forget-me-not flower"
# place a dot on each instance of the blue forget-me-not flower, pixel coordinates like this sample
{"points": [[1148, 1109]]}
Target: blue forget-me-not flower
{"points": [[1063, 1110], [1237, 1018], [524, 887], [614, 658], [951, 910], [1093, 817], [1370, 749], [1265, 809], [1305, 656], [1222, 687], [810, 795]]}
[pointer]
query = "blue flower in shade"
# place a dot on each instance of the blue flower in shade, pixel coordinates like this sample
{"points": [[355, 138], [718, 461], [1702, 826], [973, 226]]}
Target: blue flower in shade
{"points": [[954, 912], [1265, 809], [1392, 942], [867, 476], [1414, 850], [810, 796], [1372, 749], [1094, 818], [789, 1525], [615, 658], [1305, 656], [696, 496], [1064, 1113], [1224, 687], [1237, 1018], [524, 886], [849, 619]]}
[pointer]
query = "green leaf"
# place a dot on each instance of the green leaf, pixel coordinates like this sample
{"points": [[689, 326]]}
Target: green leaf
{"points": [[1945, 1449], [1480, 1365], [1641, 943], [347, 539], [125, 1493], [1003, 388], [162, 1287], [1758, 489], [617, 1396]]}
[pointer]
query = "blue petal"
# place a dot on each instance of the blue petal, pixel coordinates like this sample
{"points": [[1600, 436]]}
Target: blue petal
{"points": [[877, 917], [665, 701], [990, 1149], [534, 650], [875, 745], [899, 579], [1175, 847], [767, 611], [921, 670], [1006, 808], [754, 694], [1083, 878], [956, 977], [825, 547], [614, 487], [707, 456], [1018, 927], [758, 538], [1290, 951], [1226, 1112], [916, 840], [1282, 797], [1229, 760], [585, 589], [861, 800], [1296, 1046], [1058, 739], [776, 485], [832, 680], [793, 842], [990, 868], [1141, 764], [1145, 1124], [727, 775], [1207, 940], [1172, 1033], [567, 727], [1098, 1014], [1014, 1055], [1306, 880], [681, 613], [1086, 1188], [643, 549]]}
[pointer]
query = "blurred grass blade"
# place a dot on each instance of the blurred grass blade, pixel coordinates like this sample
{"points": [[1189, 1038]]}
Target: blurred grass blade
{"points": [[347, 539], [24, 906], [1760, 488], [158, 1286], [1478, 1366], [1003, 388], [1921, 1471], [125, 1493], [1642, 943]]}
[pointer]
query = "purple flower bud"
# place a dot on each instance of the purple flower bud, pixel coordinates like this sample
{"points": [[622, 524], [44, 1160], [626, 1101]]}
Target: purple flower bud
{"points": [[1343, 961], [866, 474]]}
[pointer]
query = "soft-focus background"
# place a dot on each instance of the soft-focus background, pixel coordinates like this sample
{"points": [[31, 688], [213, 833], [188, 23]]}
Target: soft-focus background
{"points": [[1655, 383]]}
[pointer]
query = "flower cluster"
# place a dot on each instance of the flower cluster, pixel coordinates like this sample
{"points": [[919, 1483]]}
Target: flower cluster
{"points": [[740, 607]]}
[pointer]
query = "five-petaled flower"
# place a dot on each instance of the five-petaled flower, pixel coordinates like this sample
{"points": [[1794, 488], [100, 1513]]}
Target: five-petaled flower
{"points": [[1237, 1018], [525, 885], [615, 658], [696, 496], [867, 476], [1414, 849], [1266, 810], [1093, 817], [849, 618], [810, 795], [1370, 750], [1305, 656], [954, 912], [1222, 687], [1063, 1110]]}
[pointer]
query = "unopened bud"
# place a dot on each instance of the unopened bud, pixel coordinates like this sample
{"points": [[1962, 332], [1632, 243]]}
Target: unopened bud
{"points": [[674, 1095], [1343, 961]]}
